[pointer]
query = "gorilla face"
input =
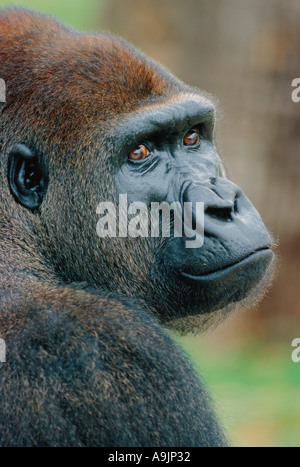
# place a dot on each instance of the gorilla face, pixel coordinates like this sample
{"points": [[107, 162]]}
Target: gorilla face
{"points": [[172, 159]]}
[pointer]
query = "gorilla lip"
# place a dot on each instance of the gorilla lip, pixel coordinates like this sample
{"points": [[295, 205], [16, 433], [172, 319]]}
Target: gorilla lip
{"points": [[239, 264]]}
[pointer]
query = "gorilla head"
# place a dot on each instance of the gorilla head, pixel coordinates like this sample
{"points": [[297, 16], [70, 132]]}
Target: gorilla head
{"points": [[89, 118]]}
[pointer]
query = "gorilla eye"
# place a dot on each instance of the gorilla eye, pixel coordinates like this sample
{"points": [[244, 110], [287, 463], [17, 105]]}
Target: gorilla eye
{"points": [[139, 153], [192, 137]]}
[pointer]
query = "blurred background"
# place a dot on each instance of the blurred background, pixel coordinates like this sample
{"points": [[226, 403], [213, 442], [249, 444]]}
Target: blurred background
{"points": [[246, 54]]}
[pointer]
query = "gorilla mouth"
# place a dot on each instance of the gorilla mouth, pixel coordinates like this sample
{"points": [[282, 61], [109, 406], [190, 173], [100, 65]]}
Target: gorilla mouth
{"points": [[262, 255]]}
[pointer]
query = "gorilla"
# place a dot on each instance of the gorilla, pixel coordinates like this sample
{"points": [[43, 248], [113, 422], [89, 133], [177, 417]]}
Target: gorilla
{"points": [[86, 317]]}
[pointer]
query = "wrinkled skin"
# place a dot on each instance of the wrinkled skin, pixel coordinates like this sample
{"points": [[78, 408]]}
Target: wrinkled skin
{"points": [[236, 253]]}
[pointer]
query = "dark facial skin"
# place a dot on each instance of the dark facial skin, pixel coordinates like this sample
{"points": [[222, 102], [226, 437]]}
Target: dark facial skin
{"points": [[168, 167]]}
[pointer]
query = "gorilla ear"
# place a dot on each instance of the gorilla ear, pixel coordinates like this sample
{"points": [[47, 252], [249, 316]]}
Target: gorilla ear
{"points": [[27, 177]]}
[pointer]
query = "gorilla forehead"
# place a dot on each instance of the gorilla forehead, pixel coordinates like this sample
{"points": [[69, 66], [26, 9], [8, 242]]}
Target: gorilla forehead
{"points": [[90, 75]]}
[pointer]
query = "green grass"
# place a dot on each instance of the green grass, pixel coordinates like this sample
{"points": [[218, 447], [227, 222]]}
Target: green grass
{"points": [[256, 387], [81, 14]]}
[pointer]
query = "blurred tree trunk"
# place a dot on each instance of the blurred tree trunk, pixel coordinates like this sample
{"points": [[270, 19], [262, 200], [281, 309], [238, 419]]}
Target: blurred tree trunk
{"points": [[246, 54]]}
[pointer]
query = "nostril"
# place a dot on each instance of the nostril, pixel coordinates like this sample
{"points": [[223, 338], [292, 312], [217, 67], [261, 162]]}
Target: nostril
{"points": [[222, 214]]}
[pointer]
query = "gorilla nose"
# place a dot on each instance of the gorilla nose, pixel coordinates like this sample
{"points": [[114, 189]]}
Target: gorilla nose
{"points": [[220, 197], [223, 213]]}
